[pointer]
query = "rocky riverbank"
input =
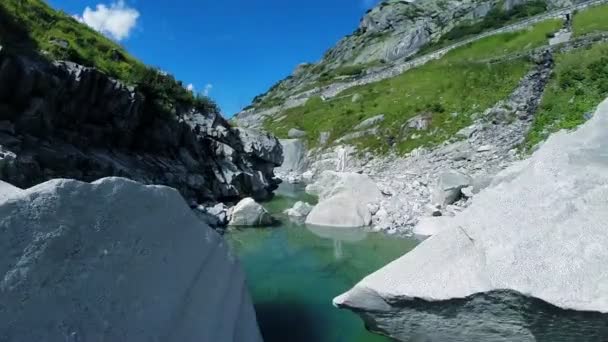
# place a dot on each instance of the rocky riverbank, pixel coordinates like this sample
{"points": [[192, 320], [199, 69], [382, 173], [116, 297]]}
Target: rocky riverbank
{"points": [[528, 249], [439, 181]]}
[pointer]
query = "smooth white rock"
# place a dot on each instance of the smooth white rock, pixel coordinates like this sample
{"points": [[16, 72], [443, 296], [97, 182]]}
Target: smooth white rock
{"points": [[485, 148], [428, 226], [342, 210], [116, 260], [539, 230], [299, 209], [8, 190], [449, 186], [344, 199], [249, 213]]}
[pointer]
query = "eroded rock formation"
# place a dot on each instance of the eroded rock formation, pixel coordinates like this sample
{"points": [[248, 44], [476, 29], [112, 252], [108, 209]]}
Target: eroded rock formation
{"points": [[63, 120]]}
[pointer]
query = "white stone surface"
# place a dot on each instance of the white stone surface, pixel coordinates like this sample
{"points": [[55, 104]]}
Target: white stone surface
{"points": [[299, 209], [249, 213], [8, 190], [428, 226], [449, 186], [344, 199], [540, 230], [115, 260]]}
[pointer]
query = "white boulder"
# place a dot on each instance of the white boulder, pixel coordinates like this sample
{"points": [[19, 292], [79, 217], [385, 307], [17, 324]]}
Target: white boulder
{"points": [[115, 260], [299, 209], [344, 199], [249, 213], [538, 232], [449, 186]]}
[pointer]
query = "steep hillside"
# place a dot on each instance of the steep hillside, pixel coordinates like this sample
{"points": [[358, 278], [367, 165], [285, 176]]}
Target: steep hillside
{"points": [[395, 31], [435, 65], [74, 104], [432, 130]]}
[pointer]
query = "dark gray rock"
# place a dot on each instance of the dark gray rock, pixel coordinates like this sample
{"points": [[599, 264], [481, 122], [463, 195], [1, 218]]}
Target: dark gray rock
{"points": [[63, 120]]}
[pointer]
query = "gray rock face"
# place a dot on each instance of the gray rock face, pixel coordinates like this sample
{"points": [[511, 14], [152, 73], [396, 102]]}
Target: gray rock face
{"points": [[116, 261], [295, 133], [249, 213], [295, 161], [63, 120], [536, 234]]}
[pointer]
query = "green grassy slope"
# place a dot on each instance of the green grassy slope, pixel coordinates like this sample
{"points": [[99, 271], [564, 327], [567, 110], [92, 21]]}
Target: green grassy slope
{"points": [[33, 27], [579, 84], [495, 19], [321, 74], [449, 90], [591, 20]]}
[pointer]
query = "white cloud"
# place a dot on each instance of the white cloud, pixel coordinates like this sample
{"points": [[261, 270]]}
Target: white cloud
{"points": [[190, 87], [207, 89], [116, 21]]}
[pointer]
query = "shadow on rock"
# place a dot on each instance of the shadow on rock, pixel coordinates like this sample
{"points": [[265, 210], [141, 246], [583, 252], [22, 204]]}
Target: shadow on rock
{"points": [[294, 322], [493, 316]]}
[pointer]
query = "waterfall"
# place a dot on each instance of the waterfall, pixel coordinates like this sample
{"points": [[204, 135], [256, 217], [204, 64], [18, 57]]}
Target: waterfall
{"points": [[342, 159], [338, 253]]}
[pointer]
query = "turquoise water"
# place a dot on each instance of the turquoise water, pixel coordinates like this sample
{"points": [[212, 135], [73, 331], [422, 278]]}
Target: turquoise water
{"points": [[294, 271]]}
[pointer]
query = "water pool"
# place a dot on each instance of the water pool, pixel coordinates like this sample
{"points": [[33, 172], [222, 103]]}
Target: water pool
{"points": [[294, 271]]}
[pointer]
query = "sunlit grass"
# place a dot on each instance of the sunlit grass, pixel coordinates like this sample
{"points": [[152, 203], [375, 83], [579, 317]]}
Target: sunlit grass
{"points": [[591, 20], [579, 84], [449, 90]]}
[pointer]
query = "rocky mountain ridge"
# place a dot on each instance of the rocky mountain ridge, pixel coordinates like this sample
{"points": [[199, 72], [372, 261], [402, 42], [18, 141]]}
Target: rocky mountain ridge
{"points": [[389, 35]]}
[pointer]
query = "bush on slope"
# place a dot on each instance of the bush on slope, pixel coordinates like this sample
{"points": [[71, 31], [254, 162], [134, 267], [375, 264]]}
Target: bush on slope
{"points": [[31, 26], [579, 84]]}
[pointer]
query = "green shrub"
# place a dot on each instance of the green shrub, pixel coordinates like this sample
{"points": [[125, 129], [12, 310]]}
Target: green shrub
{"points": [[438, 88], [579, 84], [591, 20], [496, 18], [349, 70], [507, 43]]}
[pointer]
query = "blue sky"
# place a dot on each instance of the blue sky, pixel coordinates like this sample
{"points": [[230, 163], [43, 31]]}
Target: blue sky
{"points": [[234, 49]]}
